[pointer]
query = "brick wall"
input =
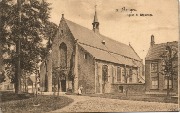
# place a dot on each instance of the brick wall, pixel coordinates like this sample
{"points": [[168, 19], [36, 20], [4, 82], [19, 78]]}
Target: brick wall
{"points": [[161, 88], [63, 36], [132, 88], [86, 71], [147, 75], [112, 85], [98, 74]]}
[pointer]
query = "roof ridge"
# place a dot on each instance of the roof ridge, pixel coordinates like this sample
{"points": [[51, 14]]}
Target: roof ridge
{"points": [[107, 51], [97, 33], [156, 50], [134, 51], [76, 24], [166, 42], [121, 43], [81, 33]]}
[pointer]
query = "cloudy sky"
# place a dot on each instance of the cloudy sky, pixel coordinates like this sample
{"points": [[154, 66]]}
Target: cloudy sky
{"points": [[117, 25]]}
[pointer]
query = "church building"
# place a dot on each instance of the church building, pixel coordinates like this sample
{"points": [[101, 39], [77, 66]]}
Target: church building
{"points": [[87, 58]]}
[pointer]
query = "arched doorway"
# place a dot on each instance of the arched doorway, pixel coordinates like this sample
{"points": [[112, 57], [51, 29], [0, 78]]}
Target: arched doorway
{"points": [[63, 64]]}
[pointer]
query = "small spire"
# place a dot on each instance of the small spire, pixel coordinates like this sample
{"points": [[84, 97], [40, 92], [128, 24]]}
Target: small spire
{"points": [[95, 16], [95, 22]]}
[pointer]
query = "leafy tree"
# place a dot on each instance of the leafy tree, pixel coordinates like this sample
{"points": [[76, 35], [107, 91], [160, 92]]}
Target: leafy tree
{"points": [[59, 74], [27, 22], [169, 57]]}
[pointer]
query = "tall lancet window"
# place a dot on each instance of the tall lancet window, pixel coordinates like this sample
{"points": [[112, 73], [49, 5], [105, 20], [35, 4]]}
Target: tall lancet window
{"points": [[63, 55]]}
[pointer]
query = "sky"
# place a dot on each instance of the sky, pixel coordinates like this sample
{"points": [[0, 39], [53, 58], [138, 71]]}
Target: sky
{"points": [[162, 19]]}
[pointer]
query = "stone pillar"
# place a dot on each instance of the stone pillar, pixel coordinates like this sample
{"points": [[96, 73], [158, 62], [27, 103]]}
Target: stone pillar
{"points": [[98, 72], [49, 66], [76, 69], [100, 76], [125, 71], [95, 73]]}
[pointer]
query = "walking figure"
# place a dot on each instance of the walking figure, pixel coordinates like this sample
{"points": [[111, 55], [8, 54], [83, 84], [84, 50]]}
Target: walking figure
{"points": [[80, 90]]}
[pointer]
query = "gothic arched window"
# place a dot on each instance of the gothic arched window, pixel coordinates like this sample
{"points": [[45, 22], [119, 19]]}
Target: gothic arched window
{"points": [[63, 55]]}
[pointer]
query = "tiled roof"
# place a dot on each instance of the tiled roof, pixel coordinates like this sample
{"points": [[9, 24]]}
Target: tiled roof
{"points": [[157, 50], [112, 50]]}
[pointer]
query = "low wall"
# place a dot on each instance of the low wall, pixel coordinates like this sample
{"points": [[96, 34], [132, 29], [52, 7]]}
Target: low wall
{"points": [[132, 88]]}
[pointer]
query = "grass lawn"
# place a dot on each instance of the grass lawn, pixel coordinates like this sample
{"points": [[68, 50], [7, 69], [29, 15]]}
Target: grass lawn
{"points": [[136, 97], [30, 104], [10, 96]]}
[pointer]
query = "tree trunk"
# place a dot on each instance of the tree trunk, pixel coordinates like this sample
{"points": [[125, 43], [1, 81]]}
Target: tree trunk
{"points": [[18, 72], [168, 91], [54, 87], [36, 84], [73, 85], [58, 86], [26, 86], [46, 74], [18, 68]]}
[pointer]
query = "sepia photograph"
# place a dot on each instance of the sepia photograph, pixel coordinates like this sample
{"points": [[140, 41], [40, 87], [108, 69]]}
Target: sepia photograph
{"points": [[89, 56]]}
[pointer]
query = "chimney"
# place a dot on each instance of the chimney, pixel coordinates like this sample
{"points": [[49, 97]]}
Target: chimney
{"points": [[152, 40], [62, 16]]}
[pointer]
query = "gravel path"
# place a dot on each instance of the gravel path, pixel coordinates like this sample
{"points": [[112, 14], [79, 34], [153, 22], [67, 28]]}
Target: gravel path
{"points": [[97, 104]]}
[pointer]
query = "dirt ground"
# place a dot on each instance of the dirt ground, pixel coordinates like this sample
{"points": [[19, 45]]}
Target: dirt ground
{"points": [[97, 104]]}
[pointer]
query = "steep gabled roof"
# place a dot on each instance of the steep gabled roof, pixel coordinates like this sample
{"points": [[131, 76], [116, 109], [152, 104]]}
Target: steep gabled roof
{"points": [[157, 50], [112, 50]]}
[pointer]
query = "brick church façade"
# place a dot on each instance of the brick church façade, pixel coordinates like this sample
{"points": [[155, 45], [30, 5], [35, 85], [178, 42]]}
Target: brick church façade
{"points": [[98, 63]]}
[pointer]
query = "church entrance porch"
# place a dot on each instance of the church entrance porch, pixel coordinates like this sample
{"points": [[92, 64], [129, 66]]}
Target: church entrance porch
{"points": [[63, 85]]}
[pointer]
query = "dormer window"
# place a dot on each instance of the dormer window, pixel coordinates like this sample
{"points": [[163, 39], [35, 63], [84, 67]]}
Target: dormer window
{"points": [[85, 56], [103, 42]]}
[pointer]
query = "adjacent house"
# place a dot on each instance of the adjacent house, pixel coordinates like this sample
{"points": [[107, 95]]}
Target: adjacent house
{"points": [[86, 57], [156, 82]]}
